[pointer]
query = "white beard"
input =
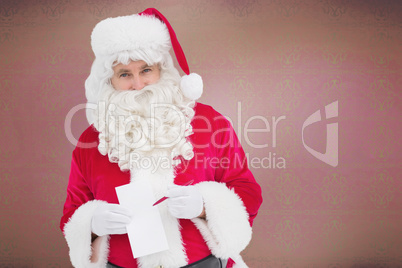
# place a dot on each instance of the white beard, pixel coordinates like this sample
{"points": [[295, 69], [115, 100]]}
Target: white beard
{"points": [[145, 127], [146, 132]]}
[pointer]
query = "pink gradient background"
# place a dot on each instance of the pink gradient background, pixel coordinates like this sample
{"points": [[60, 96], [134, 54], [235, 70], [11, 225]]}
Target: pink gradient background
{"points": [[257, 58]]}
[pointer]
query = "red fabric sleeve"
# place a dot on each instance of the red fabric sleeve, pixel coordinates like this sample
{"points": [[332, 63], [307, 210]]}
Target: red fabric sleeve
{"points": [[78, 192], [234, 170]]}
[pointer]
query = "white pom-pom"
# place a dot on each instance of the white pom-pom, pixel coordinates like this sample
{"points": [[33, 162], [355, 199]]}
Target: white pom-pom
{"points": [[192, 86]]}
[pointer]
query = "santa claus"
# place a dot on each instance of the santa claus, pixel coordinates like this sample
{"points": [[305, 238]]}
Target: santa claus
{"points": [[148, 125]]}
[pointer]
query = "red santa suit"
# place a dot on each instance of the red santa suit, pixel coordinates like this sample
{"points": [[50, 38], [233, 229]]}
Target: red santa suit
{"points": [[219, 169]]}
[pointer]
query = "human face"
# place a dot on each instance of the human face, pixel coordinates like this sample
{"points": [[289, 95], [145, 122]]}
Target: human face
{"points": [[135, 75]]}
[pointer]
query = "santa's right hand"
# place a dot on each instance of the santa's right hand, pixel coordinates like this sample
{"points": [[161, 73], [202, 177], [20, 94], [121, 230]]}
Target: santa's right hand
{"points": [[110, 219]]}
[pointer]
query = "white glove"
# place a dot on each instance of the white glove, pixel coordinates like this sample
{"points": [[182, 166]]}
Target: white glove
{"points": [[184, 202], [110, 219]]}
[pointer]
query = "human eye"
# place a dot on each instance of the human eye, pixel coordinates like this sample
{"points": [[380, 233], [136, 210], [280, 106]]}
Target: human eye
{"points": [[147, 70], [124, 75]]}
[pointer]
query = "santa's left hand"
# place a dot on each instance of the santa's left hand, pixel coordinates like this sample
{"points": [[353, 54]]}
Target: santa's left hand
{"points": [[184, 202]]}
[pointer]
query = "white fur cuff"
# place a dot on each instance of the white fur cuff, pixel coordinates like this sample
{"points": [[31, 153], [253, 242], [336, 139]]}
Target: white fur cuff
{"points": [[227, 230], [78, 235]]}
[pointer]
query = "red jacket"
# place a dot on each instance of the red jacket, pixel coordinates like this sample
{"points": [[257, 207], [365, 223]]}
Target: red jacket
{"points": [[218, 158]]}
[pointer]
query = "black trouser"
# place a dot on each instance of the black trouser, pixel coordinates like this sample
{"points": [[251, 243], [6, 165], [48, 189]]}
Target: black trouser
{"points": [[209, 262]]}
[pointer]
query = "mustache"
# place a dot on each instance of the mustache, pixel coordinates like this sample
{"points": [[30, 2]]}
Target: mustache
{"points": [[139, 101]]}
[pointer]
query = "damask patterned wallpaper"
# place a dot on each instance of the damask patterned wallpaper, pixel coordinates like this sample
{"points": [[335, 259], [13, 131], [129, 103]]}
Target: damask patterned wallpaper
{"points": [[312, 88]]}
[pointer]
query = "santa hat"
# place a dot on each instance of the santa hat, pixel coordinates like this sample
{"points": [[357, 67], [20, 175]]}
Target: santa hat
{"points": [[149, 35]]}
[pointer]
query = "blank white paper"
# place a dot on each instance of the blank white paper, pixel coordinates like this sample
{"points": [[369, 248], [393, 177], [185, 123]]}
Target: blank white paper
{"points": [[146, 233]]}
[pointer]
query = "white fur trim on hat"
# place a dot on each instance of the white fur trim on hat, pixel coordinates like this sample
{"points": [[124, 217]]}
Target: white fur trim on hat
{"points": [[125, 33]]}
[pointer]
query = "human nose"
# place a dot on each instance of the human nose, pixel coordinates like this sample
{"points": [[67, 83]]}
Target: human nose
{"points": [[138, 83]]}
